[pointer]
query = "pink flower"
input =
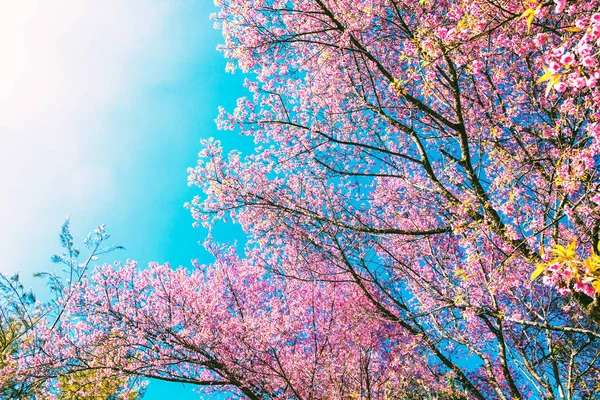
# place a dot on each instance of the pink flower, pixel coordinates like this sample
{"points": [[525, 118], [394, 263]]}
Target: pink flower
{"points": [[560, 87], [563, 291], [476, 66], [567, 58], [584, 49], [554, 267], [549, 280], [579, 82], [554, 67], [560, 6], [559, 51], [541, 39], [587, 289], [588, 62], [566, 275]]}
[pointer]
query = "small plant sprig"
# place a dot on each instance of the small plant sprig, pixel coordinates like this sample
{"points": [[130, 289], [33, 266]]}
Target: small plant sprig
{"points": [[94, 244], [21, 312]]}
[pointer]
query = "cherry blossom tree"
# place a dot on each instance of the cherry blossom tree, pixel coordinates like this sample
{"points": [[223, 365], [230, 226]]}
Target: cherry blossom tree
{"points": [[422, 212], [23, 317]]}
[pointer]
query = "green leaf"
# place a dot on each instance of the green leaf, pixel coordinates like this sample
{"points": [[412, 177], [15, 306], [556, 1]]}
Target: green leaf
{"points": [[538, 271], [529, 14]]}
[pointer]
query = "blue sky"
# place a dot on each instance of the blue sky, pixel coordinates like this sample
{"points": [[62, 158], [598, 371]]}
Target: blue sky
{"points": [[102, 107]]}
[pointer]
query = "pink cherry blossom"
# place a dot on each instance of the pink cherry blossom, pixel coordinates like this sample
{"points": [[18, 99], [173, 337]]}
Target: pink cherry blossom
{"points": [[412, 161]]}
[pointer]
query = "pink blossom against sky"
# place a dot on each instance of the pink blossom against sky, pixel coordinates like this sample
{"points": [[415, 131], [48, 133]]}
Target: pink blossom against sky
{"points": [[102, 107]]}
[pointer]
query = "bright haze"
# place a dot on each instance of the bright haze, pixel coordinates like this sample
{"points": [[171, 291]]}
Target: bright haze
{"points": [[87, 88]]}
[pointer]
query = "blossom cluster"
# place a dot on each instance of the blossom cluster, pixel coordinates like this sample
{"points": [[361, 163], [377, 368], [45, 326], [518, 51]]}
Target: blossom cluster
{"points": [[565, 271]]}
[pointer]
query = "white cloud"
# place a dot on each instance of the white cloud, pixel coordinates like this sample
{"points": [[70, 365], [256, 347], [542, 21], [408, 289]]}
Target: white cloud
{"points": [[65, 65]]}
